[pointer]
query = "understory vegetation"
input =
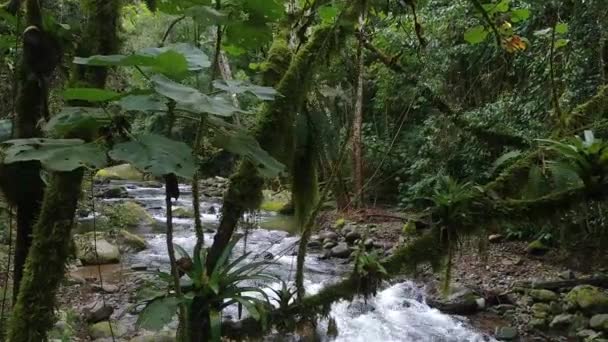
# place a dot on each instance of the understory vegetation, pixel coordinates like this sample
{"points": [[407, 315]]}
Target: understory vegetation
{"points": [[459, 119]]}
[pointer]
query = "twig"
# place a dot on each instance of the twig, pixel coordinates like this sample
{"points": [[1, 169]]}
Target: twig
{"points": [[170, 28]]}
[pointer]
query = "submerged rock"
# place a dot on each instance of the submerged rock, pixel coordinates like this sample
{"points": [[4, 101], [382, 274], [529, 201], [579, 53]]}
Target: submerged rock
{"points": [[506, 333]]}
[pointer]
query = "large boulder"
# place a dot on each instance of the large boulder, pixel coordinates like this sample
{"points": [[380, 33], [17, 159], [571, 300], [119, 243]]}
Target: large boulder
{"points": [[590, 299], [127, 215], [85, 244], [121, 172]]}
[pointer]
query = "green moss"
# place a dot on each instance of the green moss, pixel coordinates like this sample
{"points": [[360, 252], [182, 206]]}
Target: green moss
{"points": [[275, 206], [340, 223], [122, 172], [589, 299], [126, 215], [183, 213]]}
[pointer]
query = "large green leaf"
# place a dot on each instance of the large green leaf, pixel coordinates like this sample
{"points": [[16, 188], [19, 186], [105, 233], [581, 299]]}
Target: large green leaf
{"points": [[158, 313], [192, 100], [84, 121], [157, 155], [168, 60], [142, 103], [239, 142], [206, 15], [476, 34], [90, 94], [56, 154], [240, 87]]}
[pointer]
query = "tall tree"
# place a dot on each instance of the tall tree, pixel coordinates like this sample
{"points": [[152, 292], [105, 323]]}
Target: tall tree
{"points": [[33, 315]]}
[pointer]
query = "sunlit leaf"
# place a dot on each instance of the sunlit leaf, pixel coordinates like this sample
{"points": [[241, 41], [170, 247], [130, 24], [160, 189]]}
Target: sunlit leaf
{"points": [[561, 28], [561, 43], [328, 13], [476, 34], [90, 94], [520, 14]]}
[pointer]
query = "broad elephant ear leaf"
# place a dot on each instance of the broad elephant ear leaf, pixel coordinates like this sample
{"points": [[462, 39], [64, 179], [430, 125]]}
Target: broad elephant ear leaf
{"points": [[192, 100], [56, 154], [239, 142], [240, 87], [157, 155], [158, 313], [84, 121]]}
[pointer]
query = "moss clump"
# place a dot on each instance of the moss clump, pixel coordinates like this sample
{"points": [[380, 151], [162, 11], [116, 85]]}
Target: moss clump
{"points": [[340, 223], [121, 172], [126, 215], [588, 298], [183, 213]]}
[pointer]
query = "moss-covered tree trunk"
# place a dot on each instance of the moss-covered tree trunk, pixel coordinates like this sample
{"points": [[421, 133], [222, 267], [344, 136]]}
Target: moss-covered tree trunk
{"points": [[33, 314], [24, 178]]}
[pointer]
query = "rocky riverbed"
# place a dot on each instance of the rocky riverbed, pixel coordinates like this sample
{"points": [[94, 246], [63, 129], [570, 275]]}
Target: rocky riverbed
{"points": [[488, 300]]}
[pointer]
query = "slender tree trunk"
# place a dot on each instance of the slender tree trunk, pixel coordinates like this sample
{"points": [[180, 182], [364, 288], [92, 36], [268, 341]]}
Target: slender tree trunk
{"points": [[358, 117]]}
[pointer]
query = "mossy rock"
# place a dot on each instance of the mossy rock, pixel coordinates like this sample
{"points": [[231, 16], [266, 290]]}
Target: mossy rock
{"points": [[590, 299], [129, 242], [275, 201], [537, 247], [120, 172], [102, 330], [542, 295], [127, 215], [183, 213], [166, 336], [107, 253], [340, 223]]}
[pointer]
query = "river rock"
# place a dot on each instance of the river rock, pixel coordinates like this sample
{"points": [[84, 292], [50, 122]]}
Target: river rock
{"points": [[562, 321], [537, 248], [537, 323], [328, 235], [314, 244], [567, 275], [496, 238], [506, 333], [352, 237], [341, 251], [542, 295], [107, 253], [127, 242], [102, 330], [139, 267], [107, 288], [120, 172], [590, 299], [97, 312], [211, 210], [540, 310], [587, 335], [180, 212], [114, 192], [329, 244], [369, 243], [599, 322], [167, 336]]}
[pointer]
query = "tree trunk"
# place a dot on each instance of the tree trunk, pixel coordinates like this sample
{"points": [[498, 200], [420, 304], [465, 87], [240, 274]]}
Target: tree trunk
{"points": [[33, 314], [30, 107], [358, 118]]}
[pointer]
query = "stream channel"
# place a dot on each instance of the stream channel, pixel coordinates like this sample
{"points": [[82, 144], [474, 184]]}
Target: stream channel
{"points": [[397, 313]]}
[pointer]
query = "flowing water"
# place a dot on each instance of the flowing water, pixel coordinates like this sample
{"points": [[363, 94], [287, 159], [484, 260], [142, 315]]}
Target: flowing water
{"points": [[397, 313]]}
